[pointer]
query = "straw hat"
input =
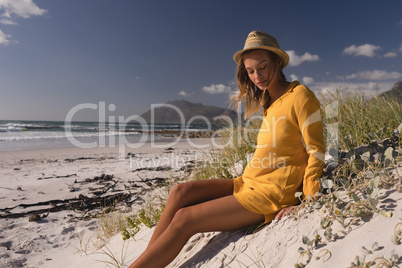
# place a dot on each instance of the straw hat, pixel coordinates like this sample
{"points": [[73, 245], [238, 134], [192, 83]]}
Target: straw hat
{"points": [[261, 40]]}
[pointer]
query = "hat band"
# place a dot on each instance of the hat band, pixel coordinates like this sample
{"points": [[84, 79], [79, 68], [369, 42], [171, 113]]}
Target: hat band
{"points": [[251, 45]]}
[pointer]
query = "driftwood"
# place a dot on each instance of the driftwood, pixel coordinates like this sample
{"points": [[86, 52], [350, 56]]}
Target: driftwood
{"points": [[81, 203], [86, 158], [57, 177], [101, 179], [84, 203], [79, 158], [158, 181], [160, 168]]}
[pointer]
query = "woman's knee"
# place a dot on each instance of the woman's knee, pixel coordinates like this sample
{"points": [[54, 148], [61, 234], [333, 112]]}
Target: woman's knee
{"points": [[195, 192], [184, 221], [180, 191]]}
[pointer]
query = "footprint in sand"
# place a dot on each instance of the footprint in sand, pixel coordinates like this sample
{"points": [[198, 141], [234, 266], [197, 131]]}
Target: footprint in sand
{"points": [[6, 244], [20, 262], [67, 230], [190, 245]]}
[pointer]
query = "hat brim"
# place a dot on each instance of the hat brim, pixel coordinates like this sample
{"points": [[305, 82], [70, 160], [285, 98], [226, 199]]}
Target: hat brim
{"points": [[282, 54]]}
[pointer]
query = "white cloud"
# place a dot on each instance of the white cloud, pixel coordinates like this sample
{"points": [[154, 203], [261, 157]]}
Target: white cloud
{"points": [[366, 50], [373, 86], [307, 80], [21, 8], [296, 60], [8, 22], [16, 8], [375, 75], [369, 89], [400, 48], [4, 38], [216, 89], [391, 55], [184, 94], [294, 77]]}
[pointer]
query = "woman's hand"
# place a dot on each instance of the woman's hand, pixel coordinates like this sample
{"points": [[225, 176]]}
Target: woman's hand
{"points": [[283, 212]]}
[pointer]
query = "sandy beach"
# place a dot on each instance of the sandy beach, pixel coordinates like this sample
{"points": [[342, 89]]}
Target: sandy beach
{"points": [[66, 188], [40, 180]]}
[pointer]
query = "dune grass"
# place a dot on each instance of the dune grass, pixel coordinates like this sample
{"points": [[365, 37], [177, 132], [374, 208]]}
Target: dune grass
{"points": [[359, 118], [237, 144]]}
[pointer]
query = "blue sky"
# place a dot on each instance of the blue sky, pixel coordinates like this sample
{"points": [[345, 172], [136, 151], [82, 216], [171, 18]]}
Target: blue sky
{"points": [[56, 54]]}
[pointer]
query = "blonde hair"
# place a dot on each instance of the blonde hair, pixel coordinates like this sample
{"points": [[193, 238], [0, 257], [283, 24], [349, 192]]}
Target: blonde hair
{"points": [[249, 93]]}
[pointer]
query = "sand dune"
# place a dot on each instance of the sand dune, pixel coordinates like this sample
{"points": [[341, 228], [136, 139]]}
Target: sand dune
{"points": [[63, 238]]}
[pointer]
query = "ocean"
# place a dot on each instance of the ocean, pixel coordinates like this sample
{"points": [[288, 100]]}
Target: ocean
{"points": [[21, 135]]}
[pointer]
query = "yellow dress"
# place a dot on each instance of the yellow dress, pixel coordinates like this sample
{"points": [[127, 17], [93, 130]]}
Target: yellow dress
{"points": [[289, 155]]}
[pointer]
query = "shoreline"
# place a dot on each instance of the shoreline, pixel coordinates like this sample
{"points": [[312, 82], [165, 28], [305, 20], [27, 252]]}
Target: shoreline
{"points": [[162, 136]]}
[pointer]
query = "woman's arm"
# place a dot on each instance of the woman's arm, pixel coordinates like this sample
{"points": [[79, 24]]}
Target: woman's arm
{"points": [[310, 124]]}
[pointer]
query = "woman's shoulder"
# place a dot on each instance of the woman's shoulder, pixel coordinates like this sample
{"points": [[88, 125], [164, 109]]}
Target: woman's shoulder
{"points": [[302, 92]]}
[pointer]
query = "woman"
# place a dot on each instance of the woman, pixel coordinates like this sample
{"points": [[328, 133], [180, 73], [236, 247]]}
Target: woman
{"points": [[288, 159]]}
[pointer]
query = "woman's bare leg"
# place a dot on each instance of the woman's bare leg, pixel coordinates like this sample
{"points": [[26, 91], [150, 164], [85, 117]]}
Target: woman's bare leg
{"points": [[190, 193], [222, 214]]}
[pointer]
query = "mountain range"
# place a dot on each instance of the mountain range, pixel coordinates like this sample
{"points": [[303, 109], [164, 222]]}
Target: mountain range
{"points": [[173, 111]]}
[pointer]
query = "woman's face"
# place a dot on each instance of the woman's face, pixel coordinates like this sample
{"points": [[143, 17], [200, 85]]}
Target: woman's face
{"points": [[260, 68]]}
